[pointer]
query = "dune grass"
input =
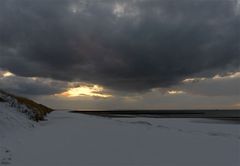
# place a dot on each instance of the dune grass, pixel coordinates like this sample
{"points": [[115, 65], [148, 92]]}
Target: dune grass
{"points": [[39, 111]]}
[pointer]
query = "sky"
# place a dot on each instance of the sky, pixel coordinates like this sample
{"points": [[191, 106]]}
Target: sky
{"points": [[122, 54]]}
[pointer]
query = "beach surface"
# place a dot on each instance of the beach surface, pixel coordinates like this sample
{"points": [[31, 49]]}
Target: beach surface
{"points": [[68, 138]]}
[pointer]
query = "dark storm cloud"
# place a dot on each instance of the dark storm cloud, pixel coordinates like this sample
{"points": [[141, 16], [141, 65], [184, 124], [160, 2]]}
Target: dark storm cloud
{"points": [[121, 44], [31, 86]]}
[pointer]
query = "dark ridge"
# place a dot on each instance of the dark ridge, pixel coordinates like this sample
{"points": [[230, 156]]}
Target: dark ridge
{"points": [[218, 114]]}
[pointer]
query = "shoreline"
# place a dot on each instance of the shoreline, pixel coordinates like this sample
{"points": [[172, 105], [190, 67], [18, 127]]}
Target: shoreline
{"points": [[217, 114]]}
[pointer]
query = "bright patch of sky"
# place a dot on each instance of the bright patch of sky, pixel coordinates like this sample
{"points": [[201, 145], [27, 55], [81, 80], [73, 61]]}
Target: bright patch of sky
{"points": [[93, 91]]}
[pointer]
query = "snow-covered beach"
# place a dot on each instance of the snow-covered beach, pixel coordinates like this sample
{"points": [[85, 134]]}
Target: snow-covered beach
{"points": [[77, 139]]}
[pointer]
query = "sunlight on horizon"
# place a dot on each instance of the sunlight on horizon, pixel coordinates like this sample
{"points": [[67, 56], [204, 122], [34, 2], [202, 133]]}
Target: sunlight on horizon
{"points": [[92, 91], [7, 74]]}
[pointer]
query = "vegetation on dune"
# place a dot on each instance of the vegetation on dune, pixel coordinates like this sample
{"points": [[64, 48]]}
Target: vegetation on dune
{"points": [[2, 100], [40, 110], [35, 111]]}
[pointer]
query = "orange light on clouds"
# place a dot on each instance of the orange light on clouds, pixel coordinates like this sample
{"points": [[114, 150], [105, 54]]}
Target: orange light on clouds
{"points": [[92, 91], [237, 105]]}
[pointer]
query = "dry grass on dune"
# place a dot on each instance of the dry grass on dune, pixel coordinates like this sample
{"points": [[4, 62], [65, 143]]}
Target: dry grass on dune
{"points": [[39, 110]]}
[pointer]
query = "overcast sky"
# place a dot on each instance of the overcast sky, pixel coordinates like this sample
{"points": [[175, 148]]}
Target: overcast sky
{"points": [[122, 54]]}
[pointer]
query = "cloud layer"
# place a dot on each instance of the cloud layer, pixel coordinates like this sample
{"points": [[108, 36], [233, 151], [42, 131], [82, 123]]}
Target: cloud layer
{"points": [[32, 86], [227, 85], [129, 45]]}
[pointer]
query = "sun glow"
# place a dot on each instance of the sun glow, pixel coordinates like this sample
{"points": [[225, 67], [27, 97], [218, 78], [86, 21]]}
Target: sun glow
{"points": [[7, 74], [92, 91]]}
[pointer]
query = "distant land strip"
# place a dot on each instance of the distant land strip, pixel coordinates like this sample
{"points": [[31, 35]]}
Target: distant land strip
{"points": [[220, 114]]}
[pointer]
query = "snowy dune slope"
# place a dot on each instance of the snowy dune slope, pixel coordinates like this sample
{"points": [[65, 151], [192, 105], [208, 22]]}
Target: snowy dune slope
{"points": [[17, 114], [76, 139], [11, 122], [11, 119]]}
